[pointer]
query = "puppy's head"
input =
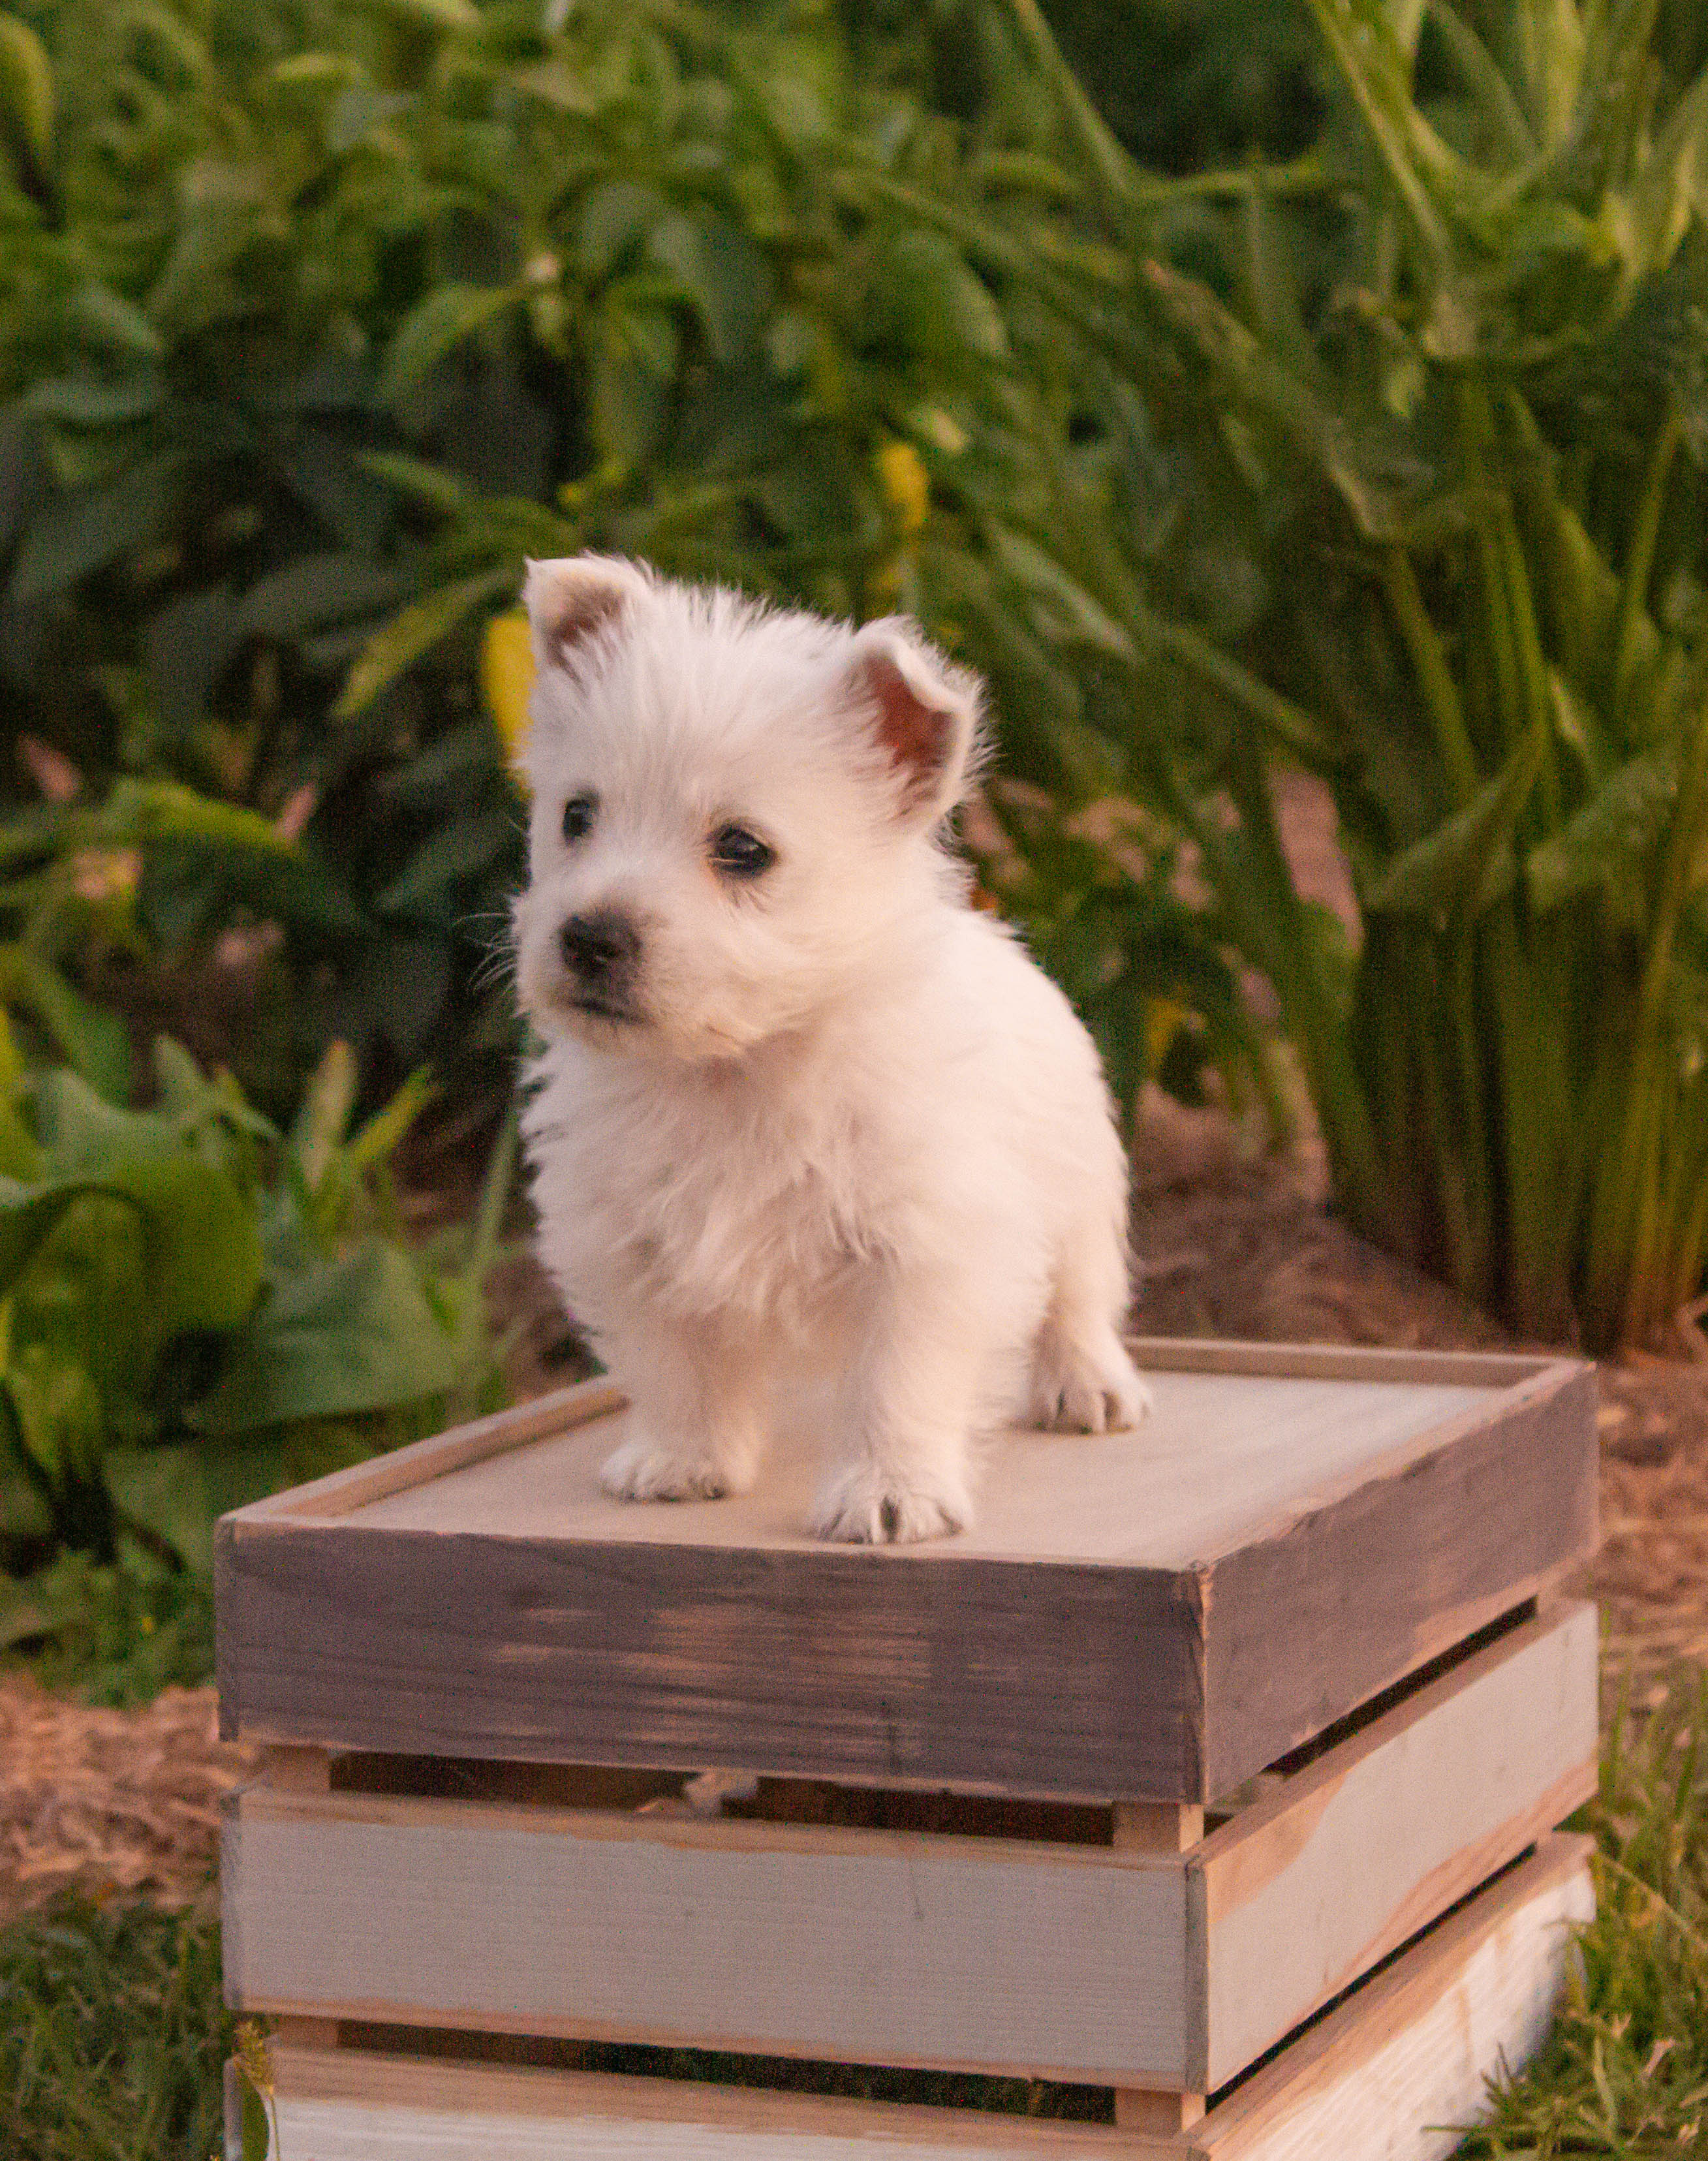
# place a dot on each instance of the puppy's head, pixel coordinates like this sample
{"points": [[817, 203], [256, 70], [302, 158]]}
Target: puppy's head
{"points": [[735, 808]]}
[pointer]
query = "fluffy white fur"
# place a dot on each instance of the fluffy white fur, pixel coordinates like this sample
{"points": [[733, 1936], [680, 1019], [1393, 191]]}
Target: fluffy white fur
{"points": [[832, 1127]]}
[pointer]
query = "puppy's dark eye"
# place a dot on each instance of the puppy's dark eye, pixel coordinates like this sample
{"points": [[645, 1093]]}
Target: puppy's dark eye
{"points": [[579, 813], [738, 853]]}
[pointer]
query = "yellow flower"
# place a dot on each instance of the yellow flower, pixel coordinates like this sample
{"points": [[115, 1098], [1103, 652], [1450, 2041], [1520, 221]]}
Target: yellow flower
{"points": [[906, 488], [507, 677]]}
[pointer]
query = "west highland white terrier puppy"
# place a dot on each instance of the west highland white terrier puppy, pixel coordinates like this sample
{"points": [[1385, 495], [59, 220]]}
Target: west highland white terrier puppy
{"points": [[804, 1115]]}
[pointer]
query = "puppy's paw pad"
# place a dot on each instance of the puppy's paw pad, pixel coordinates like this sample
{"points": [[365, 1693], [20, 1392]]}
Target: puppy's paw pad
{"points": [[867, 1506], [1081, 1393], [642, 1470]]}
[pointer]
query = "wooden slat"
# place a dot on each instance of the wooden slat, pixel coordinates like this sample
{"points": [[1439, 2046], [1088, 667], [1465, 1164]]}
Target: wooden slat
{"points": [[1337, 1361], [1411, 2051], [978, 1955], [421, 1462], [1316, 1883], [1162, 1963], [1043, 1655]]}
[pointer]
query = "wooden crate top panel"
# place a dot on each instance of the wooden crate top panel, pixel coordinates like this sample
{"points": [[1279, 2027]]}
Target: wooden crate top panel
{"points": [[1154, 1614], [1411, 2051], [1094, 1964], [1223, 1457]]}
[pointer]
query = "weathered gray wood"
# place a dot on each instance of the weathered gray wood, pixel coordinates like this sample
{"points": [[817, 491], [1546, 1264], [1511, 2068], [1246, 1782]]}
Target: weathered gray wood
{"points": [[1145, 1615], [1411, 2051], [1166, 1961]]}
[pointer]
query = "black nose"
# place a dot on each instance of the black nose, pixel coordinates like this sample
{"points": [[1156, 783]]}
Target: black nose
{"points": [[600, 948]]}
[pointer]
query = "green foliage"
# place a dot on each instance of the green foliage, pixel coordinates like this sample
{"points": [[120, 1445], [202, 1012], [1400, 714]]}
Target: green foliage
{"points": [[1388, 463], [312, 313], [114, 2037], [1626, 2071], [198, 1309], [114, 1634]]}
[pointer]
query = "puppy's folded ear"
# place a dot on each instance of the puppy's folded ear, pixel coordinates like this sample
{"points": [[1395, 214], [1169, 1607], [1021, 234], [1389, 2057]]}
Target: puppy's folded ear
{"points": [[923, 711], [571, 598]]}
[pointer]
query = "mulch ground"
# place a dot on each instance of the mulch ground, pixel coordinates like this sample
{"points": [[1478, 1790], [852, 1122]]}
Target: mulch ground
{"points": [[109, 1804]]}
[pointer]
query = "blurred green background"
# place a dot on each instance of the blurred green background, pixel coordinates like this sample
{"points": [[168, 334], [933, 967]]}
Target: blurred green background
{"points": [[1303, 392]]}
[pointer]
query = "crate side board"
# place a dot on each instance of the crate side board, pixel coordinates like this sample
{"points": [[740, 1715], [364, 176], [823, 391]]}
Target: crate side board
{"points": [[979, 1955], [1374, 1586], [1318, 1882], [1043, 1679]]}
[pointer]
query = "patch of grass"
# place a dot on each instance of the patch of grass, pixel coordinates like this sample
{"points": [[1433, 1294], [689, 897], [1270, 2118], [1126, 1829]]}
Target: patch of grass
{"points": [[113, 2036], [115, 1634], [1626, 2070]]}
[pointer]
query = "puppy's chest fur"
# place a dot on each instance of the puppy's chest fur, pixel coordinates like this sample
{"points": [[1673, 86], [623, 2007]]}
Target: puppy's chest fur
{"points": [[708, 1194]]}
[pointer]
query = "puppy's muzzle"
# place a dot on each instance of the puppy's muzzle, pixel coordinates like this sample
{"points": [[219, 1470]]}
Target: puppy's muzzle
{"points": [[601, 952]]}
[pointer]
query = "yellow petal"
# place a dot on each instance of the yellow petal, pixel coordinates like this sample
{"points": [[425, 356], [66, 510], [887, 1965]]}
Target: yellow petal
{"points": [[905, 484], [506, 678]]}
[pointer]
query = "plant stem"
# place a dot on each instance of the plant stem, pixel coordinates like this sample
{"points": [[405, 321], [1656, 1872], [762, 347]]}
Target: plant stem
{"points": [[1441, 700]]}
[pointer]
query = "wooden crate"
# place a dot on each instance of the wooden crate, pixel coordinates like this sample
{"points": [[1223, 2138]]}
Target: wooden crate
{"points": [[1317, 1591], [1153, 1615], [1383, 2077], [1082, 1962]]}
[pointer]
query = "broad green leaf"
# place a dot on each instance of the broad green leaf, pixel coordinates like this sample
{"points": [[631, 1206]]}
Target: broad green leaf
{"points": [[27, 91], [143, 813], [413, 631], [93, 401], [95, 1041], [202, 1252], [325, 1116], [614, 219], [722, 272], [315, 591], [111, 320], [1467, 862], [1612, 838], [84, 530], [354, 1335], [435, 327], [431, 484], [469, 847]]}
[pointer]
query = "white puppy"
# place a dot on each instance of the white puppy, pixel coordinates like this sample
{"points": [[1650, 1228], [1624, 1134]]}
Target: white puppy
{"points": [[803, 1113]]}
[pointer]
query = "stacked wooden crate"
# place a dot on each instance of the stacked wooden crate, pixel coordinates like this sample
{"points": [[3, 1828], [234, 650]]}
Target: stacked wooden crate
{"points": [[1212, 1779]]}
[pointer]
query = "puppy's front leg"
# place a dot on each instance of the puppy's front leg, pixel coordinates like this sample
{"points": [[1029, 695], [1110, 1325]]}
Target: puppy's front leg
{"points": [[698, 1400], [904, 1441]]}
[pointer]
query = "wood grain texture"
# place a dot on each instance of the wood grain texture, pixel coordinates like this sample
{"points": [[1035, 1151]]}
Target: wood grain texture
{"points": [[1348, 1596], [980, 1955], [1316, 1884], [1415, 2046], [1151, 1964], [1411, 2051], [1152, 1616]]}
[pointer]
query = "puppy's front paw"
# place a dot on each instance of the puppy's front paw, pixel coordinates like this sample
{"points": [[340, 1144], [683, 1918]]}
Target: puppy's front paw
{"points": [[867, 1505], [645, 1469], [1075, 1390]]}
